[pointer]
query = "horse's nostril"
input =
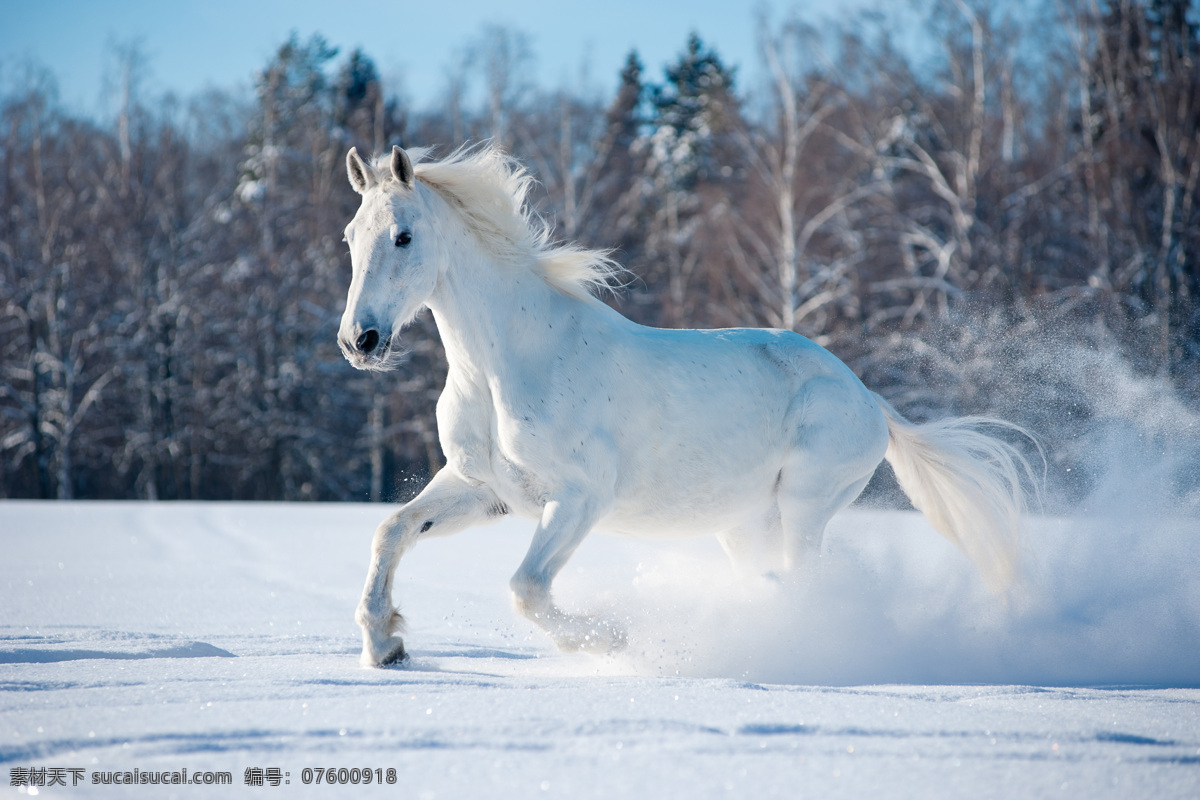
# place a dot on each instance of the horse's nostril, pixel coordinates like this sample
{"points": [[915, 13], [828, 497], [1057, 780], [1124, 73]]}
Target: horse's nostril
{"points": [[368, 341]]}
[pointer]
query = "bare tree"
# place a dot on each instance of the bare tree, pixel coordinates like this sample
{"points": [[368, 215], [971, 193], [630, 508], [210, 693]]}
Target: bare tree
{"points": [[790, 156], [504, 57], [171, 276]]}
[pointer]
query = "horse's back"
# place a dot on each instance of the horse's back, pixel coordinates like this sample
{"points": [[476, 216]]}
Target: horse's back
{"points": [[748, 370]]}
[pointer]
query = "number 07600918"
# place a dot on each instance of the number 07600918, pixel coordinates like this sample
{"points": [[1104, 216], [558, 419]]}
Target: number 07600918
{"points": [[342, 775]]}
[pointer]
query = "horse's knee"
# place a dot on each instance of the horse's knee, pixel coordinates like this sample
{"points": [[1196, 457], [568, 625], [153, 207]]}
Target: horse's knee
{"points": [[395, 533]]}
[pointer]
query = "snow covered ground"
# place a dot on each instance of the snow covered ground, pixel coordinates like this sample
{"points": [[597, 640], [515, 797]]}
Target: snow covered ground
{"points": [[219, 637]]}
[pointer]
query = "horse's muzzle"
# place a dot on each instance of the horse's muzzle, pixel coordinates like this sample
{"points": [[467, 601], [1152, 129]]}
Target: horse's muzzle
{"points": [[367, 349]]}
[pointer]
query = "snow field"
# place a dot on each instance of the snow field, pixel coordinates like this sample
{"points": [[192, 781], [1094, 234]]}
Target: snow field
{"points": [[221, 637]]}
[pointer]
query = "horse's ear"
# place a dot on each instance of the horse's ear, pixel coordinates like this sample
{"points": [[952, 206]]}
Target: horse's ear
{"points": [[360, 176], [402, 168]]}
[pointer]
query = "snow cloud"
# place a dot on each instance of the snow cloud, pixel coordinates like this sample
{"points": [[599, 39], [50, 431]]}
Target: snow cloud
{"points": [[1109, 595]]}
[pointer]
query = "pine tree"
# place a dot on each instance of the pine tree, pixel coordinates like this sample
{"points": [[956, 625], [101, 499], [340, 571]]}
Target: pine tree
{"points": [[359, 107], [626, 115], [687, 148], [693, 109]]}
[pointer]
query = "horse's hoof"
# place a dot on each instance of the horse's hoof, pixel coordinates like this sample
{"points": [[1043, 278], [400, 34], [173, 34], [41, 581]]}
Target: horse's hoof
{"points": [[394, 658], [601, 639], [392, 655]]}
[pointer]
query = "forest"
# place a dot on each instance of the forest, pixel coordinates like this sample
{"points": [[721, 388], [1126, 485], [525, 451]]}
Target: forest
{"points": [[998, 219]]}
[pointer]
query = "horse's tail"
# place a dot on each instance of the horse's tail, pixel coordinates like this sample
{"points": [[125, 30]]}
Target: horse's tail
{"points": [[967, 483]]}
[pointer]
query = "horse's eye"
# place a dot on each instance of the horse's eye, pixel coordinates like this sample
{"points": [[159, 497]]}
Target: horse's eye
{"points": [[404, 238]]}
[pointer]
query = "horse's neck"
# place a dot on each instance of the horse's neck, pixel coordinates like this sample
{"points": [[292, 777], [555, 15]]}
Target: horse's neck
{"points": [[496, 321]]}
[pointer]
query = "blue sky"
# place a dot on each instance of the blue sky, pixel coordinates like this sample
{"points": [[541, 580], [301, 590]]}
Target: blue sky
{"points": [[192, 45]]}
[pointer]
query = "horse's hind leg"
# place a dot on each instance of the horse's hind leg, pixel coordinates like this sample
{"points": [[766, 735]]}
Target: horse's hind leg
{"points": [[447, 505], [805, 507], [840, 438], [755, 548]]}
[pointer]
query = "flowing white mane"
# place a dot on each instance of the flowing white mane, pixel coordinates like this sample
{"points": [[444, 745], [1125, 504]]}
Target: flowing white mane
{"points": [[490, 190]]}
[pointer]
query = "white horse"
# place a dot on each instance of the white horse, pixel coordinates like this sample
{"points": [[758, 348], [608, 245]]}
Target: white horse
{"points": [[560, 410]]}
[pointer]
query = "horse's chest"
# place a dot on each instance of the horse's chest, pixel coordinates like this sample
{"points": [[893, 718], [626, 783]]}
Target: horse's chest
{"points": [[522, 460], [518, 486], [487, 445]]}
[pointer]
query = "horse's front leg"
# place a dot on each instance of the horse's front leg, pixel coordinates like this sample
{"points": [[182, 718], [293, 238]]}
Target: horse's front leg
{"points": [[447, 505], [563, 526]]}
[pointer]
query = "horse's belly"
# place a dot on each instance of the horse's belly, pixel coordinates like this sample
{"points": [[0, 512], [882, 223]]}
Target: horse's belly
{"points": [[678, 501]]}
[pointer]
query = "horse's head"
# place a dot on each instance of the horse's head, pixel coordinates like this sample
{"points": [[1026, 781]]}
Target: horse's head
{"points": [[393, 257]]}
